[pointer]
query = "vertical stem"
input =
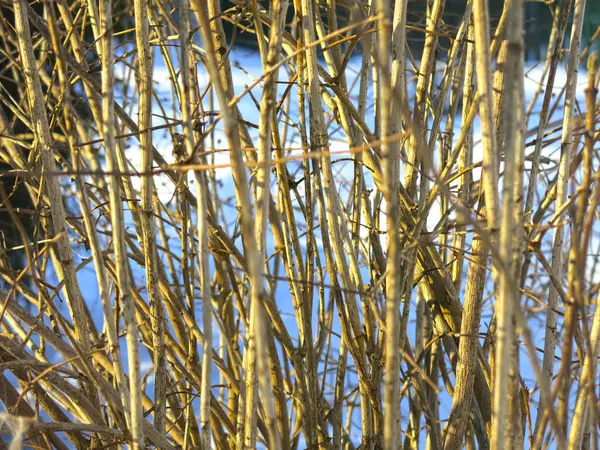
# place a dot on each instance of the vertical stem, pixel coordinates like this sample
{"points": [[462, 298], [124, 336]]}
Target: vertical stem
{"points": [[586, 395], [45, 147], [144, 81], [466, 157], [564, 376], [505, 392], [278, 11], [117, 221], [551, 331], [483, 62], [186, 100], [244, 203], [425, 75], [391, 425], [468, 346]]}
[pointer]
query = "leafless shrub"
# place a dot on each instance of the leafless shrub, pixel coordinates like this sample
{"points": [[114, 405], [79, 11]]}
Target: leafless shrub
{"points": [[339, 246]]}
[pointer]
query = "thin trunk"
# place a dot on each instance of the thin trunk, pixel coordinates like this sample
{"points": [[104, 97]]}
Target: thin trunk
{"points": [[391, 412], [564, 374], [144, 82], [505, 387], [586, 395]]}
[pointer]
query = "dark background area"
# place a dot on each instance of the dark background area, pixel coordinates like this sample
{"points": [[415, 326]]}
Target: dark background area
{"points": [[538, 16]]}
